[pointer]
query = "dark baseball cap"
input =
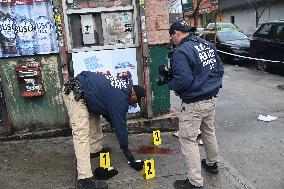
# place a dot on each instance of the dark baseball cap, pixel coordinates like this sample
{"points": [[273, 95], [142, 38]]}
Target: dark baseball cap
{"points": [[181, 25]]}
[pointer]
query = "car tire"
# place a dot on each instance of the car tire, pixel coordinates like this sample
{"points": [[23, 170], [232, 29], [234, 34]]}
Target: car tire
{"points": [[261, 65], [224, 58]]}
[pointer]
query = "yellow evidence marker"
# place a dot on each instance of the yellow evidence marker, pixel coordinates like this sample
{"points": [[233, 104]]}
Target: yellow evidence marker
{"points": [[105, 160], [149, 171], [157, 137]]}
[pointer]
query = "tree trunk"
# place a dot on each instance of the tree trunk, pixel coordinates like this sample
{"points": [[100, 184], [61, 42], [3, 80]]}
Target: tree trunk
{"points": [[195, 13], [195, 20]]}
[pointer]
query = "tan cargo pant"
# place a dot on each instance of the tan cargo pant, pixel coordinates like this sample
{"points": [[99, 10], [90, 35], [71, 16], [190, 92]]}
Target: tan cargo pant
{"points": [[86, 131], [195, 116]]}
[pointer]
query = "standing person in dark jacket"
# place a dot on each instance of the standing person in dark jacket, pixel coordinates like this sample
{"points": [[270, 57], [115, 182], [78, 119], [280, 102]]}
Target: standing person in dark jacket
{"points": [[197, 77], [94, 95]]}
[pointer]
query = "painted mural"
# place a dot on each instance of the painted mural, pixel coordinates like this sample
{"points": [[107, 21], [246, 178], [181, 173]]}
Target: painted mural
{"points": [[27, 27]]}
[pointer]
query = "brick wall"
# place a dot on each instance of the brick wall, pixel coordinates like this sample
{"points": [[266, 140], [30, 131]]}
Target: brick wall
{"points": [[157, 21]]}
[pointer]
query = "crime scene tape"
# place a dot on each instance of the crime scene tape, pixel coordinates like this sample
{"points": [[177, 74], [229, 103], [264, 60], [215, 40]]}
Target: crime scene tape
{"points": [[259, 59]]}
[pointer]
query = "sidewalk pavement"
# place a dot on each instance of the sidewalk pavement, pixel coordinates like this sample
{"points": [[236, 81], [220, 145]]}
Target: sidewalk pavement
{"points": [[50, 164]]}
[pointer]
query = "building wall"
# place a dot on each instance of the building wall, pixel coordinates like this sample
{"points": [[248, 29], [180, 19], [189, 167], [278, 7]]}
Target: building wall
{"points": [[157, 21], [157, 27], [205, 9], [29, 114], [245, 17]]}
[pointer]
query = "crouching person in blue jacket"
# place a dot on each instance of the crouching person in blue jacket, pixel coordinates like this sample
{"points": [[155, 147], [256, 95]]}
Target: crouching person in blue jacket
{"points": [[88, 96]]}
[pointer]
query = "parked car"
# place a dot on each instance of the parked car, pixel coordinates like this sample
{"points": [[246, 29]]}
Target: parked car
{"points": [[199, 30], [229, 41], [222, 26], [267, 42]]}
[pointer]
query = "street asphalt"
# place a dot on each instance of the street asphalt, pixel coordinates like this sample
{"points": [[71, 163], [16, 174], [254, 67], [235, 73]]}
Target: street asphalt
{"points": [[251, 151]]}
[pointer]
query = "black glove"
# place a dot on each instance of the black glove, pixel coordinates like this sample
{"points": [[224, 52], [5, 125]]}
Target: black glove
{"points": [[137, 165], [128, 155], [101, 173], [68, 86]]}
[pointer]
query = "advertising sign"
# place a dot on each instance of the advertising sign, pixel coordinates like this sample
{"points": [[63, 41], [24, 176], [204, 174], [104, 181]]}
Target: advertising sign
{"points": [[27, 28], [119, 62]]}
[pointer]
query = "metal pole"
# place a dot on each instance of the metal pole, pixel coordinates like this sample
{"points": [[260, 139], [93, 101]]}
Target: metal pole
{"points": [[182, 9], [146, 61]]}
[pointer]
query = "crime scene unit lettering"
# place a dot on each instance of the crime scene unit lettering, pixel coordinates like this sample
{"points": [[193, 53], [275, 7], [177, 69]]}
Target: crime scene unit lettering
{"points": [[157, 137], [149, 171], [116, 83], [105, 160], [206, 55]]}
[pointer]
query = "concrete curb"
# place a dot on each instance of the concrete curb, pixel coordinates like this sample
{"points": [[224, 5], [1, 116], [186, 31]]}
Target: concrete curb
{"points": [[164, 123]]}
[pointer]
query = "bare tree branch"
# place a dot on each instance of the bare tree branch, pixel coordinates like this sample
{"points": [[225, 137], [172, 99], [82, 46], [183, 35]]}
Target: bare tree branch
{"points": [[262, 12]]}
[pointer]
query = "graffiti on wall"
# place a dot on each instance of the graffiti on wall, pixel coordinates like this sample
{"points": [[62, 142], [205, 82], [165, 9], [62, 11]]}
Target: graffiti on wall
{"points": [[27, 27]]}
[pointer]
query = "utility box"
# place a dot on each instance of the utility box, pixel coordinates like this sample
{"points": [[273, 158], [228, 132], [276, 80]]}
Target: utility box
{"points": [[30, 79], [88, 29]]}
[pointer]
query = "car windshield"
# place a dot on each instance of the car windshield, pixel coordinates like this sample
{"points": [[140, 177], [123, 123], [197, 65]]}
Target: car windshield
{"points": [[227, 26], [212, 25], [230, 36]]}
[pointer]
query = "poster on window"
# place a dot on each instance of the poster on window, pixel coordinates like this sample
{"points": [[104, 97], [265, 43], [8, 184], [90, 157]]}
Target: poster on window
{"points": [[27, 28], [118, 28], [120, 63]]}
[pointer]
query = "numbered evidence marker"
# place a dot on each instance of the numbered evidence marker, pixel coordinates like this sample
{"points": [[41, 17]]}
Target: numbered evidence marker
{"points": [[157, 137], [105, 160], [149, 171]]}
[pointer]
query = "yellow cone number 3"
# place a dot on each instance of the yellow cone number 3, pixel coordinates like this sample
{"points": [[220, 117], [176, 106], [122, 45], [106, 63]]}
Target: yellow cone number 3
{"points": [[105, 160], [157, 137], [149, 171]]}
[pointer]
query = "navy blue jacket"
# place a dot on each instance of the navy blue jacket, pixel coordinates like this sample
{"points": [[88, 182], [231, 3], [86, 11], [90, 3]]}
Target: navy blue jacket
{"points": [[109, 97], [197, 70]]}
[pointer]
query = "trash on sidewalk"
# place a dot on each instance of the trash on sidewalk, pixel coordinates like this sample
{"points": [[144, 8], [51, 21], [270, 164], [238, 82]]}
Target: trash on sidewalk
{"points": [[176, 134], [266, 118], [200, 142]]}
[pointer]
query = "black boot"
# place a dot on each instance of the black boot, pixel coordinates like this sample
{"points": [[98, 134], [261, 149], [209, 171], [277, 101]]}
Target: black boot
{"points": [[91, 183], [210, 168], [104, 173], [185, 184]]}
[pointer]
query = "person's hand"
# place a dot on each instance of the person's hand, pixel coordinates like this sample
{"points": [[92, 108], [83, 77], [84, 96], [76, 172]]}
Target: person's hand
{"points": [[128, 155], [137, 165]]}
